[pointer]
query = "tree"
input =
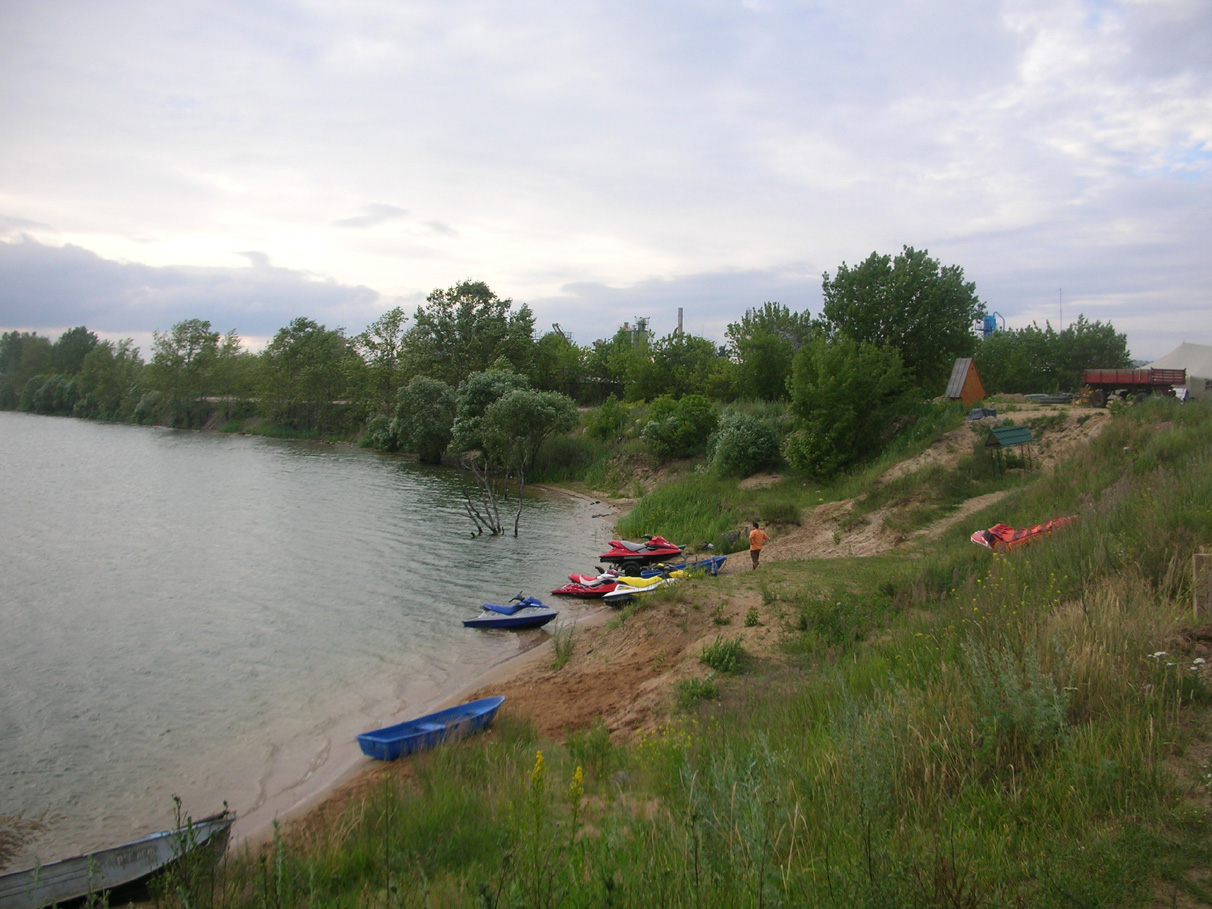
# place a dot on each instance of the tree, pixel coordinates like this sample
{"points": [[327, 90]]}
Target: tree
{"points": [[559, 365], [425, 412], [846, 396], [679, 429], [181, 365], [516, 425], [610, 364], [475, 394], [381, 345], [68, 353], [305, 375], [23, 355], [468, 328], [679, 364], [1035, 359], [764, 344], [924, 310], [744, 444], [109, 381]]}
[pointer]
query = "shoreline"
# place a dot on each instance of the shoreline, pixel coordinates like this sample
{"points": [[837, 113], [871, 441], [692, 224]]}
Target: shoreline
{"points": [[353, 770]]}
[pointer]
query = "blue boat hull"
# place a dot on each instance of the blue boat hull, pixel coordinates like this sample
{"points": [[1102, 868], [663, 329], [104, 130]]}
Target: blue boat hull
{"points": [[428, 731], [532, 617], [710, 565]]}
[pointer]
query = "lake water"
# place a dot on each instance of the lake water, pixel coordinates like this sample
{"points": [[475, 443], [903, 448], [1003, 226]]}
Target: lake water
{"points": [[216, 616]]}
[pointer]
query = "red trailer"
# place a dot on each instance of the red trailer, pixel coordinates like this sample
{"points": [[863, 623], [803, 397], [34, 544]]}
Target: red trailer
{"points": [[1130, 384]]}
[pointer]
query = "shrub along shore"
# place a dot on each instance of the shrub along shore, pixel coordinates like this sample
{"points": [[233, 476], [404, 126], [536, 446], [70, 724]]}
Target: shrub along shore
{"points": [[938, 726]]}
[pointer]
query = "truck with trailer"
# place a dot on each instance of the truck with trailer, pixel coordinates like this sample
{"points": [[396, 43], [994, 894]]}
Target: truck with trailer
{"points": [[1129, 384]]}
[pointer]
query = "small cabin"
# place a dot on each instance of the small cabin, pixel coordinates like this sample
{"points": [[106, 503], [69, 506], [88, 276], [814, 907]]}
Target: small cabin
{"points": [[965, 385]]}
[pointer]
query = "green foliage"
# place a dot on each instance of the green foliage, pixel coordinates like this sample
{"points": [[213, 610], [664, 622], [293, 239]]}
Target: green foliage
{"points": [[466, 329], [764, 343], [516, 424], [847, 397], [563, 641], [424, 418], [1035, 360], [381, 347], [475, 395], [744, 445], [306, 370], [679, 365], [688, 692], [559, 365], [609, 421], [723, 655], [910, 303], [1019, 709], [679, 428]]}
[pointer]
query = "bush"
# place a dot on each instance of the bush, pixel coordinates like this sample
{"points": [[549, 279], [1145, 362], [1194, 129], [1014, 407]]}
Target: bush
{"points": [[744, 445], [679, 429], [723, 656], [609, 421]]}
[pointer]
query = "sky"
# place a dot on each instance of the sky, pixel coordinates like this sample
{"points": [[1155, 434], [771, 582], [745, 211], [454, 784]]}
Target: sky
{"points": [[248, 163]]}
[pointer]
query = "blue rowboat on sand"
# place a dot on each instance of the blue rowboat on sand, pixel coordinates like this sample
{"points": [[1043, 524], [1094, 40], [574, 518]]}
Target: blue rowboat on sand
{"points": [[428, 731]]}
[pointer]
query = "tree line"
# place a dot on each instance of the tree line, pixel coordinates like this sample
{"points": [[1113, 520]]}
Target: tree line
{"points": [[887, 336]]}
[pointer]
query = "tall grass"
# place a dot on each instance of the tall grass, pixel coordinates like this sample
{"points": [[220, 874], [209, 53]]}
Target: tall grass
{"points": [[955, 729]]}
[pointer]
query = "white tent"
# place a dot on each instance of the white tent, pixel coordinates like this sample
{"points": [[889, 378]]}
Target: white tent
{"points": [[1196, 359]]}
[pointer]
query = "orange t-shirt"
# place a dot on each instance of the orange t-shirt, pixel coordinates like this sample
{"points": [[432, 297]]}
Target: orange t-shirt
{"points": [[757, 537]]}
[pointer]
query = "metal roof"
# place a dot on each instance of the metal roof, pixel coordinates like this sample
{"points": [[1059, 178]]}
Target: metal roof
{"points": [[1008, 436]]}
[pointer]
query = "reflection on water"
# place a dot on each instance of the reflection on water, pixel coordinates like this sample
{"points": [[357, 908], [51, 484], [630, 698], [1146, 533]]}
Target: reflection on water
{"points": [[216, 616]]}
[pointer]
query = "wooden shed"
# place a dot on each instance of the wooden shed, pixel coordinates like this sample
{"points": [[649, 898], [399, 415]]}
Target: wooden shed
{"points": [[965, 384]]}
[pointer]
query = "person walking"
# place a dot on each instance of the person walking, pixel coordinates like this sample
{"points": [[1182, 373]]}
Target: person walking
{"points": [[757, 539]]}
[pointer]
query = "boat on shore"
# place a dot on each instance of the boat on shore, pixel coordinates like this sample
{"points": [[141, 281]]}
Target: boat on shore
{"points": [[430, 730], [94, 874]]}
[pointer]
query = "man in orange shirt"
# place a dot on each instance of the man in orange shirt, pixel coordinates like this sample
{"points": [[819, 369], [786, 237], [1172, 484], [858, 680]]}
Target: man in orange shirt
{"points": [[757, 538]]}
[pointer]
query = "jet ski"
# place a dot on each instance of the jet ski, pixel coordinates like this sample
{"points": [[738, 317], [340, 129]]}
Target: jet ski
{"points": [[627, 554], [629, 587], [520, 612], [589, 586], [710, 565]]}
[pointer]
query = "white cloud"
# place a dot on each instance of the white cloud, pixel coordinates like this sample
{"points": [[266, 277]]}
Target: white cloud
{"points": [[601, 156]]}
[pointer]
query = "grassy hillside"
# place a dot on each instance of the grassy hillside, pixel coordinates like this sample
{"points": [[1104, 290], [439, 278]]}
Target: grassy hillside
{"points": [[931, 725]]}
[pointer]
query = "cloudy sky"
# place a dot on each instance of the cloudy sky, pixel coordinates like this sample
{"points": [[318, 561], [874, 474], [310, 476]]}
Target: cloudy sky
{"points": [[250, 162]]}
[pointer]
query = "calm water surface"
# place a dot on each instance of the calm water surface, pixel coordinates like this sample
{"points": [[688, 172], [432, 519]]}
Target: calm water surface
{"points": [[216, 616]]}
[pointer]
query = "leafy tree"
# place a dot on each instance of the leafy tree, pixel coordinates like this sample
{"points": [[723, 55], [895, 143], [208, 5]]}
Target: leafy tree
{"points": [[743, 445], [475, 394], [680, 364], [558, 365], [609, 421], [924, 310], [68, 353], [381, 345], [515, 426], [846, 396], [305, 373], [468, 328], [23, 355], [764, 343], [1035, 359], [424, 418], [181, 367], [611, 364], [109, 381], [677, 429]]}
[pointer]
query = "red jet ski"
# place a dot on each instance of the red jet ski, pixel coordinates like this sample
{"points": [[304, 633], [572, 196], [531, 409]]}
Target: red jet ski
{"points": [[654, 549], [588, 586]]}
